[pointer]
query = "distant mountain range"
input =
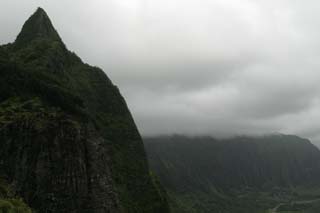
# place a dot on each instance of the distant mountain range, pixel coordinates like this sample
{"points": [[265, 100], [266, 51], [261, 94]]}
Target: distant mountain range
{"points": [[68, 143], [242, 174]]}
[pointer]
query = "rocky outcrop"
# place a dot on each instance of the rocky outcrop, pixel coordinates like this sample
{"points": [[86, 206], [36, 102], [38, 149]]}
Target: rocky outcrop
{"points": [[56, 162]]}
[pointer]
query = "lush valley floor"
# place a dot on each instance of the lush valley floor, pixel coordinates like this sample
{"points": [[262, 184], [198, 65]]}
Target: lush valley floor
{"points": [[295, 201]]}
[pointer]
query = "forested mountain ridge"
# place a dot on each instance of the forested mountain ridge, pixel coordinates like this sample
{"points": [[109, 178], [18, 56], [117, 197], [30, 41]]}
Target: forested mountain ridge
{"points": [[68, 142], [211, 174]]}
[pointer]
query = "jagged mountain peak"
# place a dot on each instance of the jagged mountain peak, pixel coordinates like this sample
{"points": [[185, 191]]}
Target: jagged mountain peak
{"points": [[85, 153], [37, 26]]}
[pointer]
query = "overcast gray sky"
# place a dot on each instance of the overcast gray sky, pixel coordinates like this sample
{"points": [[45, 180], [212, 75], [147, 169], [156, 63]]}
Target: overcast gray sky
{"points": [[218, 67]]}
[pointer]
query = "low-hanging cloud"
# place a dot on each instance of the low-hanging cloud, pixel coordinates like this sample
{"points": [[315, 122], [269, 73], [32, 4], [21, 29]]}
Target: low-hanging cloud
{"points": [[223, 67]]}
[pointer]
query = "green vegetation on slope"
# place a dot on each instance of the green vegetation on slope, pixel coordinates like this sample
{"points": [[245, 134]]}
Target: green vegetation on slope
{"points": [[39, 67], [9, 203]]}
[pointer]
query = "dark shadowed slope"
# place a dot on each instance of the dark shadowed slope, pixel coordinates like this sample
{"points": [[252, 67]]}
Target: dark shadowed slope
{"points": [[68, 142]]}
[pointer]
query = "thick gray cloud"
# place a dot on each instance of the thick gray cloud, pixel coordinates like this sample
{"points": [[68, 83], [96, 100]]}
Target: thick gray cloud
{"points": [[223, 67]]}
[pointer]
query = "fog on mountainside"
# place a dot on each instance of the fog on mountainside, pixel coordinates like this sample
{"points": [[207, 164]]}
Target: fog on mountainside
{"points": [[225, 93], [219, 68]]}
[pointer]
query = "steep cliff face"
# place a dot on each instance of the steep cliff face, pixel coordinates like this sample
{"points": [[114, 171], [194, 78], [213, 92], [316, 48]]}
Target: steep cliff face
{"points": [[279, 160], [67, 139], [56, 162]]}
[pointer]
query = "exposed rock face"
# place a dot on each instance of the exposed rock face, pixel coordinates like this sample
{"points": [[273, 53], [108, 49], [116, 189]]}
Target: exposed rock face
{"points": [[68, 142], [57, 164]]}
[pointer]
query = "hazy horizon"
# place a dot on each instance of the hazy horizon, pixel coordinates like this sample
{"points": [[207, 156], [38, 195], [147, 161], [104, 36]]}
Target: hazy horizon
{"points": [[219, 68]]}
